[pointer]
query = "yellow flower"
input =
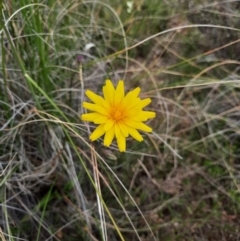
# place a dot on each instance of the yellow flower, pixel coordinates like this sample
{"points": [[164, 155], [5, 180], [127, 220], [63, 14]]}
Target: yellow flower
{"points": [[118, 115]]}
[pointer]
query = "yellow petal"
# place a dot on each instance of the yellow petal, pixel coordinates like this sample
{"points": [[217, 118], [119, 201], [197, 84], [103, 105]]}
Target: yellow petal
{"points": [[93, 97], [144, 103], [123, 128], [90, 116], [108, 124], [105, 94], [135, 92], [148, 114], [108, 138], [130, 104], [109, 91], [97, 99], [102, 119], [142, 116], [117, 130], [133, 103], [89, 106], [138, 125], [96, 108], [130, 96], [131, 112], [135, 134], [121, 141], [119, 93], [98, 132]]}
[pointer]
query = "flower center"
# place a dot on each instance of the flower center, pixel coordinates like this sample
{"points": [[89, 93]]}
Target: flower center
{"points": [[116, 114]]}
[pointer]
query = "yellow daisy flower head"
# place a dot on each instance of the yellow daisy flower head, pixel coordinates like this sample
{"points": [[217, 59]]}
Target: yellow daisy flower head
{"points": [[118, 115]]}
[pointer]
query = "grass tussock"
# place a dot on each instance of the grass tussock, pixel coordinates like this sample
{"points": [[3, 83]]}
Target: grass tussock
{"points": [[181, 182]]}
